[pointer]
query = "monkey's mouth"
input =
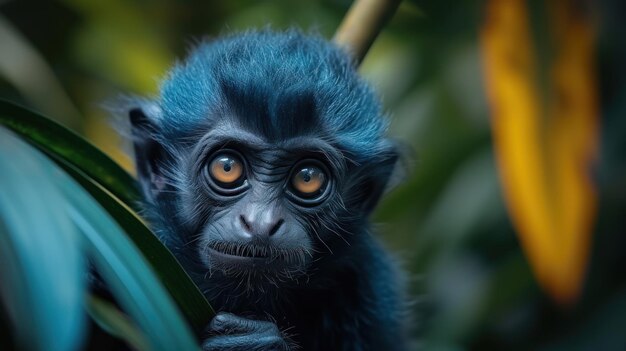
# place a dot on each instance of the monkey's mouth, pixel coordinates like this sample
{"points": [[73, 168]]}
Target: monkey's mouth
{"points": [[250, 251], [230, 256]]}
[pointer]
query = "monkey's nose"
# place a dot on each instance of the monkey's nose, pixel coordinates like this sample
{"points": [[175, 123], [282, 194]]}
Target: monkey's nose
{"points": [[260, 227]]}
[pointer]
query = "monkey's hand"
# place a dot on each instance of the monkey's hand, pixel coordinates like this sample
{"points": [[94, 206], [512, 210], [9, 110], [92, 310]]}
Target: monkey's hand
{"points": [[230, 332]]}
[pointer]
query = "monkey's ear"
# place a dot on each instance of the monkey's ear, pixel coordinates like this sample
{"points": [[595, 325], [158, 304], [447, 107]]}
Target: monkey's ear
{"points": [[149, 152], [376, 178]]}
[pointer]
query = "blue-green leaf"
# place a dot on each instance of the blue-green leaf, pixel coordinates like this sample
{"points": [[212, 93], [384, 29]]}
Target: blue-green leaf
{"points": [[128, 275], [41, 266], [123, 267], [116, 192], [190, 300]]}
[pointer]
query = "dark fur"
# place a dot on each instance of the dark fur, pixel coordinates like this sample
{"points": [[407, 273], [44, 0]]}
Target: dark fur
{"points": [[346, 293]]}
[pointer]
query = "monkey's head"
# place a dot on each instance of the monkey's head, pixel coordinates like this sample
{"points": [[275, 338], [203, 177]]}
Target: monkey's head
{"points": [[263, 153]]}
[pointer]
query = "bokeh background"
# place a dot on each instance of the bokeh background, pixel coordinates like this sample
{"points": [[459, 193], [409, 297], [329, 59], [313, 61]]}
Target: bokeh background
{"points": [[473, 287]]}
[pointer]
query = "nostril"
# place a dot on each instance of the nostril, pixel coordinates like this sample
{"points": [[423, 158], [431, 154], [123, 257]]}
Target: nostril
{"points": [[276, 227], [246, 225]]}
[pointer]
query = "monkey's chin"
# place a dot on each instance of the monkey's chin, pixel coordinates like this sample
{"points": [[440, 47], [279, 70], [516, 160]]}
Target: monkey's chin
{"points": [[250, 258]]}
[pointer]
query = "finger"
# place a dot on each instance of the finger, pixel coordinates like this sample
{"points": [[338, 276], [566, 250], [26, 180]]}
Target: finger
{"points": [[245, 342], [228, 323]]}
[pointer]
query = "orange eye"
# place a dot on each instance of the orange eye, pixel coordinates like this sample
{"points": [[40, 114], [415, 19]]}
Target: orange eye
{"points": [[309, 181], [226, 170]]}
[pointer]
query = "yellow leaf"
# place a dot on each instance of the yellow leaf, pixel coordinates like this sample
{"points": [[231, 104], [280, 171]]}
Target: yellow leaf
{"points": [[545, 147]]}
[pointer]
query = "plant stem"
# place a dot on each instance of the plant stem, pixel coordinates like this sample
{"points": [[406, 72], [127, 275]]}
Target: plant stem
{"points": [[362, 23]]}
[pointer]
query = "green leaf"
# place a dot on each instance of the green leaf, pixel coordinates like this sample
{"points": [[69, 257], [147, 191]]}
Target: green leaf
{"points": [[122, 266], [191, 301], [114, 322], [58, 140], [78, 158], [41, 265], [128, 275]]}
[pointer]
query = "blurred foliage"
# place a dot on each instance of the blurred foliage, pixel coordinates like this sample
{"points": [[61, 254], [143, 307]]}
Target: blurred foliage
{"points": [[472, 286], [545, 129]]}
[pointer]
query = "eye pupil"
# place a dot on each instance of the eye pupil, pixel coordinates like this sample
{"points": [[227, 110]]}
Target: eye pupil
{"points": [[306, 176], [227, 167]]}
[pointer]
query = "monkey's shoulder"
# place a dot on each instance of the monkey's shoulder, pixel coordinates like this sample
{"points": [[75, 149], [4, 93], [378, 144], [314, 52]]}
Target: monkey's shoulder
{"points": [[361, 303]]}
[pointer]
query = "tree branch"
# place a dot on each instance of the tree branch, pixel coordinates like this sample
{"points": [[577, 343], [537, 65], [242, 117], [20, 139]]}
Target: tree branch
{"points": [[363, 22]]}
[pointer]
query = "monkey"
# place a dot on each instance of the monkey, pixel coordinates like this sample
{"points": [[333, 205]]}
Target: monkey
{"points": [[260, 161]]}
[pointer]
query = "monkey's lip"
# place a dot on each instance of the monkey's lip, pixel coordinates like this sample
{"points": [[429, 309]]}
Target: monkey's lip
{"points": [[252, 257]]}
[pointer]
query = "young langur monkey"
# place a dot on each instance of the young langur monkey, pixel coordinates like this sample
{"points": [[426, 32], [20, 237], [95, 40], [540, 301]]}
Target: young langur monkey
{"points": [[260, 162]]}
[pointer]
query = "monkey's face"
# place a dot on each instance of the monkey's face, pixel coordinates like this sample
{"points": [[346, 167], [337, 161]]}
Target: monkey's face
{"points": [[259, 206], [263, 153]]}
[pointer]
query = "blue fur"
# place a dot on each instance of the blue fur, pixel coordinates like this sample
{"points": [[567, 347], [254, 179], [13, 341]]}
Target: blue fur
{"points": [[268, 71]]}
